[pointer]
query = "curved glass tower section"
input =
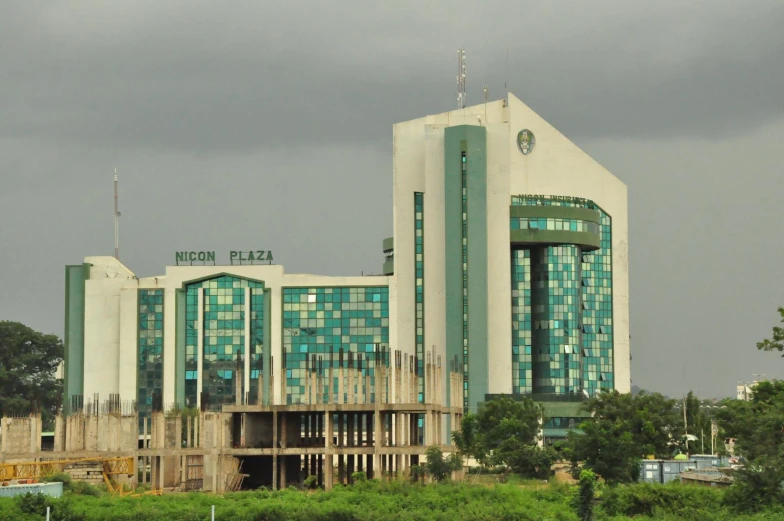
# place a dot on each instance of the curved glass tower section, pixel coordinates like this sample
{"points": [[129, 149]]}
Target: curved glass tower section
{"points": [[562, 316], [555, 292]]}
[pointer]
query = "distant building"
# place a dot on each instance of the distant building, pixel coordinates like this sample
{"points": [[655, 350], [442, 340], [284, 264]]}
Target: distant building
{"points": [[745, 390]]}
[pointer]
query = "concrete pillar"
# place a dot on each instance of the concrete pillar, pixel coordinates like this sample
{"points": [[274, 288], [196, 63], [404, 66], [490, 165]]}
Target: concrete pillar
{"points": [[283, 422], [328, 430], [398, 429], [320, 470], [378, 440], [328, 471], [341, 386], [275, 429], [367, 389], [331, 393], [59, 434], [354, 385]]}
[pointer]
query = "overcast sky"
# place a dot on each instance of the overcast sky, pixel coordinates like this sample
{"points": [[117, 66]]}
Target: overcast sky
{"points": [[267, 125]]}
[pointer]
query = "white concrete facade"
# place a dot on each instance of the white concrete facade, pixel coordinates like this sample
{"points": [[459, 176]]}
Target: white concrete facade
{"points": [[555, 167], [111, 316]]}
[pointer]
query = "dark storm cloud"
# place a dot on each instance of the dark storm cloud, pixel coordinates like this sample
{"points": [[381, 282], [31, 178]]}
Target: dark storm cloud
{"points": [[267, 124], [208, 76]]}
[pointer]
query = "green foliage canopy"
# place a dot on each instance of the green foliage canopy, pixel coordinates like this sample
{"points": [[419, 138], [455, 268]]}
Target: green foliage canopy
{"points": [[758, 429], [624, 428], [439, 467], [28, 361], [776, 342], [505, 432]]}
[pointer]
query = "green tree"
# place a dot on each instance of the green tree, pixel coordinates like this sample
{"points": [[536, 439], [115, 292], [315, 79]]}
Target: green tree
{"points": [[583, 500], [466, 438], [699, 417], [505, 432], [502, 419], [28, 361], [526, 459], [776, 342], [622, 429], [439, 467], [758, 429]]}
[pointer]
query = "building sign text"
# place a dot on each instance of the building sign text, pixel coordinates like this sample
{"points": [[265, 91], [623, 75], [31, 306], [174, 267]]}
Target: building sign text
{"points": [[235, 257]]}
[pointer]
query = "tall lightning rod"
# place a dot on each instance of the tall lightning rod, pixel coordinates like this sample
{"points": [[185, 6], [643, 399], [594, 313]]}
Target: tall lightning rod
{"points": [[116, 217], [461, 78]]}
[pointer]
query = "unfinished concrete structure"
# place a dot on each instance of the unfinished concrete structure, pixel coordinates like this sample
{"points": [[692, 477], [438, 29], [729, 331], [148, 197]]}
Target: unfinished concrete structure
{"points": [[348, 423]]}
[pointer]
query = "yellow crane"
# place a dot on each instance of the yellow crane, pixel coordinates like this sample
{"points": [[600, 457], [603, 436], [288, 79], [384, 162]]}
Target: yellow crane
{"points": [[35, 470]]}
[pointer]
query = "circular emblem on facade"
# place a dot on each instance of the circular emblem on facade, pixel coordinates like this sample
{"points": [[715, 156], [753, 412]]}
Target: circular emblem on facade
{"points": [[526, 141]]}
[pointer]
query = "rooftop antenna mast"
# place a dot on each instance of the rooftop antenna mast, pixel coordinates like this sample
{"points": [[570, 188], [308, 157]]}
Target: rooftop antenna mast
{"points": [[116, 218], [461, 78]]}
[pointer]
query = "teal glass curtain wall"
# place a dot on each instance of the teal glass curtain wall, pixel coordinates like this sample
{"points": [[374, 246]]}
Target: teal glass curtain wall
{"points": [[567, 337], [149, 376], [321, 321]]}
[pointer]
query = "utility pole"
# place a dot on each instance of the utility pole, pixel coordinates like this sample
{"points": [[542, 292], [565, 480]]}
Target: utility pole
{"points": [[685, 425], [461, 78], [116, 217]]}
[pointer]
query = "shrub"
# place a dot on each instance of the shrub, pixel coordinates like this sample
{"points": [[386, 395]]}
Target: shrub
{"points": [[33, 503], [646, 499], [583, 500]]}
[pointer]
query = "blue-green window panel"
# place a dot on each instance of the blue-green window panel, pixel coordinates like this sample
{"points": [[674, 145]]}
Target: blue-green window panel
{"points": [[521, 322], [321, 321], [149, 348], [556, 273], [595, 294], [419, 287], [224, 319], [541, 223]]}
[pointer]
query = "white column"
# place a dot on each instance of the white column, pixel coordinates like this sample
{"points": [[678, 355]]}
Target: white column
{"points": [[247, 343], [199, 347]]}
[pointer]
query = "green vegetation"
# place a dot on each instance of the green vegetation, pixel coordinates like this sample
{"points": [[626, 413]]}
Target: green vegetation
{"points": [[504, 433], [370, 500], [624, 428], [775, 342], [28, 360], [758, 427], [583, 500], [503, 437], [438, 467]]}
